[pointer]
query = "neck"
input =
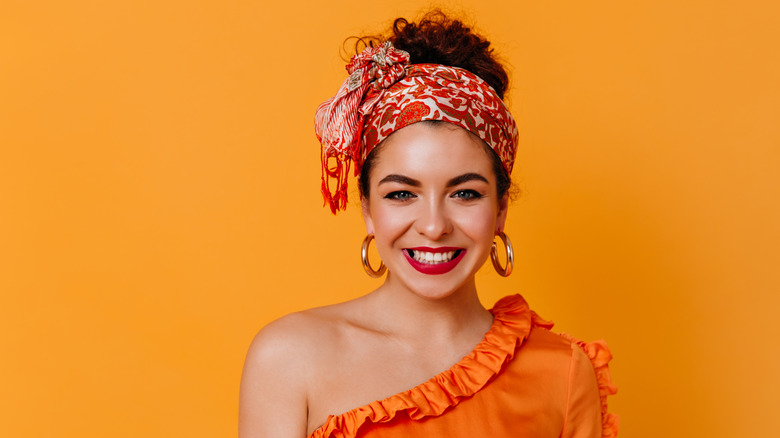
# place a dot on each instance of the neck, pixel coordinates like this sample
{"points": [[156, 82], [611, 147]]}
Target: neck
{"points": [[456, 318]]}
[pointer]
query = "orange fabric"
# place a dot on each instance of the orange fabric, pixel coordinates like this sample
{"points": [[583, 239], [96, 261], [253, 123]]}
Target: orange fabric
{"points": [[521, 381]]}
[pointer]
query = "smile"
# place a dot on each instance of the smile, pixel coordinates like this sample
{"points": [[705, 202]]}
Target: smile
{"points": [[432, 258], [434, 261]]}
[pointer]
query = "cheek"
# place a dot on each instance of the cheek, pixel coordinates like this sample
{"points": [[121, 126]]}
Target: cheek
{"points": [[388, 222], [479, 224]]}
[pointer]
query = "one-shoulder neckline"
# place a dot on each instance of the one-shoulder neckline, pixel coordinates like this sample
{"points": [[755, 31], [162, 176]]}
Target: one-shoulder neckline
{"points": [[512, 322]]}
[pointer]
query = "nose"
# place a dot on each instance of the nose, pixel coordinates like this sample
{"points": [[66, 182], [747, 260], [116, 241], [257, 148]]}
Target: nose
{"points": [[434, 220]]}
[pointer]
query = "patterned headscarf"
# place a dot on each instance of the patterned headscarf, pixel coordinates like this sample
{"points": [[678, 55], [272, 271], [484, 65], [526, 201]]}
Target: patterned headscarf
{"points": [[384, 93]]}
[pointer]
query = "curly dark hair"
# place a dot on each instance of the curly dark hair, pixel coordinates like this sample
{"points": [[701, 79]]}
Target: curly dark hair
{"points": [[439, 39]]}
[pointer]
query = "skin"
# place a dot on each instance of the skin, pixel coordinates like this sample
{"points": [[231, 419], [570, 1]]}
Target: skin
{"points": [[432, 186]]}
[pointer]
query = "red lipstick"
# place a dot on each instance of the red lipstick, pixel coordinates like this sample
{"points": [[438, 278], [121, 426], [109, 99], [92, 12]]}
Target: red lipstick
{"points": [[435, 268]]}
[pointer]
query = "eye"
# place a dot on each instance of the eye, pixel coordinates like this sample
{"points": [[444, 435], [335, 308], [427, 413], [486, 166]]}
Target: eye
{"points": [[400, 195], [467, 195]]}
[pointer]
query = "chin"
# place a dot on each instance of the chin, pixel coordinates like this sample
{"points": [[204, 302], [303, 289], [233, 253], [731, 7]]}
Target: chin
{"points": [[434, 287]]}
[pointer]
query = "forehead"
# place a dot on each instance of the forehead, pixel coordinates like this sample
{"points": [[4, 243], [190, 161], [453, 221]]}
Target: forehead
{"points": [[441, 149]]}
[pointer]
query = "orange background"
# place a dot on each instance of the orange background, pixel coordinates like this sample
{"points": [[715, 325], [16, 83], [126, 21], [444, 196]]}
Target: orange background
{"points": [[159, 201]]}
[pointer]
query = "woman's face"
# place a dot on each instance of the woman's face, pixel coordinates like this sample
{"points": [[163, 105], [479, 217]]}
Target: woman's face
{"points": [[433, 208]]}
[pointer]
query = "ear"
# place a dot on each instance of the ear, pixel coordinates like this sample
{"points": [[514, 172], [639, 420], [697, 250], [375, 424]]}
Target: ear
{"points": [[503, 209], [367, 215]]}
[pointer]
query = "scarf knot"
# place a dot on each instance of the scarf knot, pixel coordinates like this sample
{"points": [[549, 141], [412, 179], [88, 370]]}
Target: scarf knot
{"points": [[381, 66], [339, 120]]}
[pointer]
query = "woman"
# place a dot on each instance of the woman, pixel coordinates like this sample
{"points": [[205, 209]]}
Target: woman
{"points": [[422, 118]]}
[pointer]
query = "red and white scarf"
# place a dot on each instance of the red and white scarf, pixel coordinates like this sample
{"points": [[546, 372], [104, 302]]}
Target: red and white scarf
{"points": [[385, 93]]}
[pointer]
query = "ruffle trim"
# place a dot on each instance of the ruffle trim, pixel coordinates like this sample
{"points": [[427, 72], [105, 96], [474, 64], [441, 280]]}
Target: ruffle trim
{"points": [[512, 322], [599, 355]]}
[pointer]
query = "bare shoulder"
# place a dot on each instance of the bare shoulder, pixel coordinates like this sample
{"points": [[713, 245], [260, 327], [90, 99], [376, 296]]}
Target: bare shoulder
{"points": [[291, 338], [281, 366], [295, 339]]}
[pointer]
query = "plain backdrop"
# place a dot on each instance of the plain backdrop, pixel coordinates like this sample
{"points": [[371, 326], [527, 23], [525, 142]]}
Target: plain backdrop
{"points": [[159, 201]]}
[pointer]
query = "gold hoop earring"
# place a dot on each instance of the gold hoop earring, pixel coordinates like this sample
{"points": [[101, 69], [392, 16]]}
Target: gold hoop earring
{"points": [[366, 264], [510, 256]]}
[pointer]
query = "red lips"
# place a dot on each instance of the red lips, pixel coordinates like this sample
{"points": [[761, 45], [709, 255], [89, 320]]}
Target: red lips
{"points": [[435, 268]]}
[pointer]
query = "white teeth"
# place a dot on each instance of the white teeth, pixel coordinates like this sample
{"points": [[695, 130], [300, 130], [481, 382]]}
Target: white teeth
{"points": [[433, 257]]}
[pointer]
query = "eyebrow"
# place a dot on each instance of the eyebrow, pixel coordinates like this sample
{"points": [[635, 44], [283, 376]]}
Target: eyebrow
{"points": [[466, 177], [393, 177]]}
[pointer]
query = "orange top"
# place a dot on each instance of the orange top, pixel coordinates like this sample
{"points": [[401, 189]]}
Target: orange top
{"points": [[521, 380]]}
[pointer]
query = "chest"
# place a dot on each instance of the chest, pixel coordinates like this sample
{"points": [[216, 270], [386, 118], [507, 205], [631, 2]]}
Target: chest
{"points": [[359, 372]]}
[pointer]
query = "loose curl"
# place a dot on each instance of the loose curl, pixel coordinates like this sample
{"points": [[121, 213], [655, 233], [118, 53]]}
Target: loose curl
{"points": [[439, 39]]}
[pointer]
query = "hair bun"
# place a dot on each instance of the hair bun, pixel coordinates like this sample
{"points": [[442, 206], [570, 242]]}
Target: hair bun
{"points": [[439, 39]]}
